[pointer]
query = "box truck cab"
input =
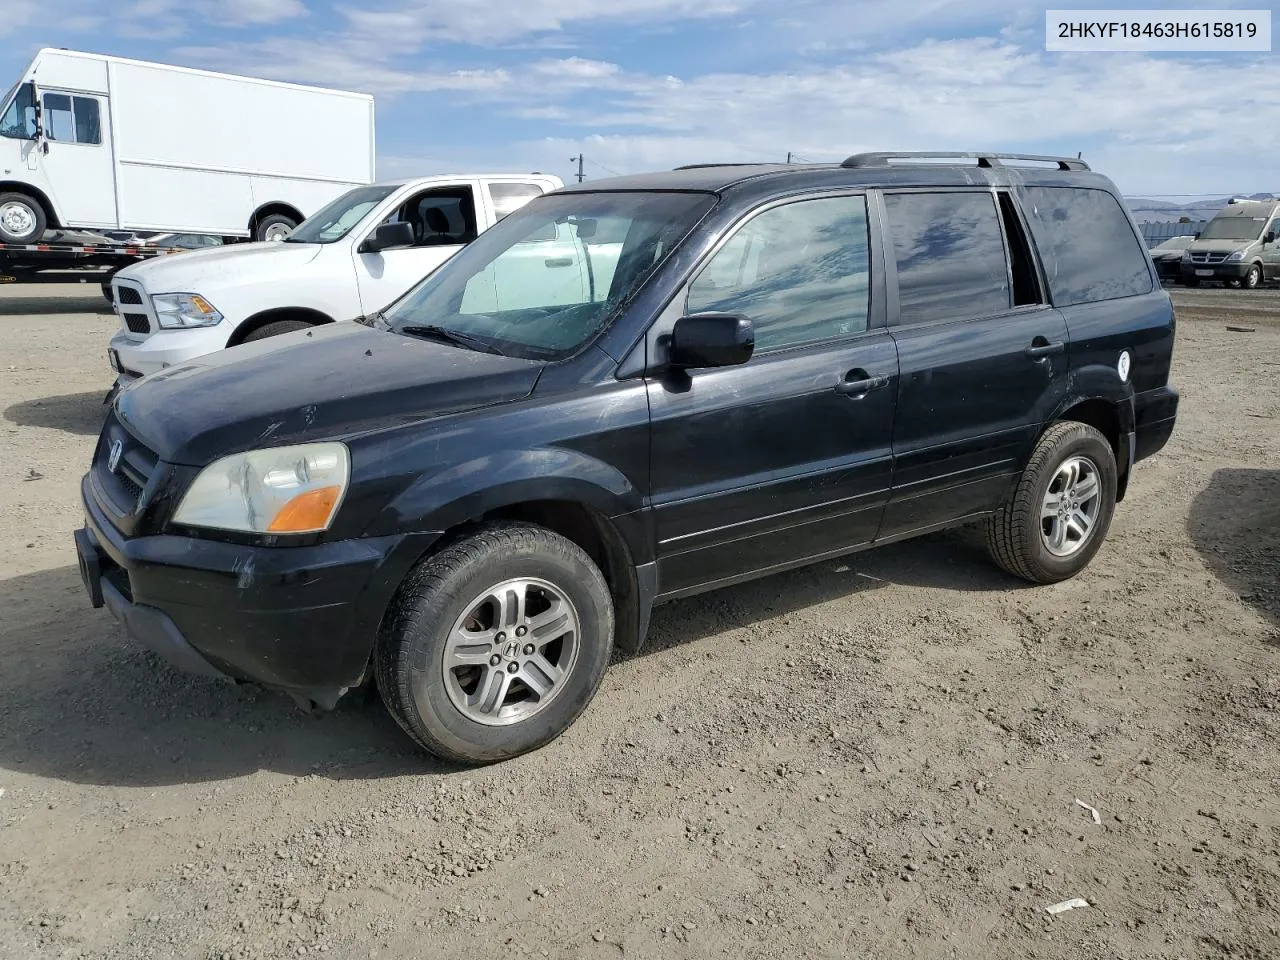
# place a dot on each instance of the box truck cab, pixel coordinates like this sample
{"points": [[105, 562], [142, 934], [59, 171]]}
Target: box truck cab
{"points": [[352, 258], [96, 142], [1237, 247]]}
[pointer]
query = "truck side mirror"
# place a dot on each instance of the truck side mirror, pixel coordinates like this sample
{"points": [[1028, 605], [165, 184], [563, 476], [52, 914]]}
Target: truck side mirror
{"points": [[388, 235], [711, 340], [1270, 237]]}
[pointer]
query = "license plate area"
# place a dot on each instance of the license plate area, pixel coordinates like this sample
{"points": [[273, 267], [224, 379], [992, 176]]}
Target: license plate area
{"points": [[1204, 273]]}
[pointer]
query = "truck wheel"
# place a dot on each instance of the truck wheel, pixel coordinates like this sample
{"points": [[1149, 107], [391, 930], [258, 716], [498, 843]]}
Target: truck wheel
{"points": [[275, 328], [1191, 281], [495, 645], [274, 226], [1057, 516], [1252, 278], [22, 219]]}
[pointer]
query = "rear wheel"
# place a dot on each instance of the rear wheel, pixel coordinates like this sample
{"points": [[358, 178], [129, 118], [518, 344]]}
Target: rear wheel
{"points": [[1056, 518], [1252, 278], [495, 645], [22, 219], [274, 329], [274, 226]]}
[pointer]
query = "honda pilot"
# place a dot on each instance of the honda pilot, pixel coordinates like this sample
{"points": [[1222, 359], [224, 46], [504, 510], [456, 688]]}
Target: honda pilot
{"points": [[472, 497]]}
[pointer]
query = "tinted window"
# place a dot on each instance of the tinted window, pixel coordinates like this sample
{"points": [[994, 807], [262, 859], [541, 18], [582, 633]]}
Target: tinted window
{"points": [[950, 255], [19, 120], [87, 120], [800, 272], [1090, 250]]}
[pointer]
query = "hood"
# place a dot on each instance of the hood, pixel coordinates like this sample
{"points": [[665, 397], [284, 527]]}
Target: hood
{"points": [[1220, 247], [322, 384], [195, 271]]}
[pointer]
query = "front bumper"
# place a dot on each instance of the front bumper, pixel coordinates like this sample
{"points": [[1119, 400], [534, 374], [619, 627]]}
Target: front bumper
{"points": [[165, 348], [301, 618], [1215, 271]]}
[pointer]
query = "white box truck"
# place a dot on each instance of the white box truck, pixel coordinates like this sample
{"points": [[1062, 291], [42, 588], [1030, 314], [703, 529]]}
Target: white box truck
{"points": [[97, 142]]}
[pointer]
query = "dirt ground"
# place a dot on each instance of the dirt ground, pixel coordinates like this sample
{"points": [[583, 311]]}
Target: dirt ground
{"points": [[876, 757]]}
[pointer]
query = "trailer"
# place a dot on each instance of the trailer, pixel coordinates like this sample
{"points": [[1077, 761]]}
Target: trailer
{"points": [[105, 143], [18, 261]]}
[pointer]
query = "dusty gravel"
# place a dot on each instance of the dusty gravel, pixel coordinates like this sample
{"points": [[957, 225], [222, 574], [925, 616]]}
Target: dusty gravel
{"points": [[877, 757]]}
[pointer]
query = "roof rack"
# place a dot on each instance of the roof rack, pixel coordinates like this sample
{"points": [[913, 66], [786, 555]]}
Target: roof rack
{"points": [[703, 166], [984, 159]]}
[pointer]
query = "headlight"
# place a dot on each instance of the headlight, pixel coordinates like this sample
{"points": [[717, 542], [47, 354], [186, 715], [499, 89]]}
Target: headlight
{"points": [[175, 310], [284, 490], [1238, 255], [1186, 256]]}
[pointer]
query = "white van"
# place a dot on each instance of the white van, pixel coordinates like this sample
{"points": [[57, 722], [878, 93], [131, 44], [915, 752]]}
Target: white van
{"points": [[352, 258], [89, 141]]}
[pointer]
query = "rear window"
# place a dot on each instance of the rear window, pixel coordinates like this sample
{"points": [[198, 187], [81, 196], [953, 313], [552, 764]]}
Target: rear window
{"points": [[1090, 251]]}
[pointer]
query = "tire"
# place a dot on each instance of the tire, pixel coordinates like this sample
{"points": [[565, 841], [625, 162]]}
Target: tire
{"points": [[1231, 284], [275, 328], [268, 226], [1253, 279], [22, 218], [1191, 281], [1017, 535], [447, 594]]}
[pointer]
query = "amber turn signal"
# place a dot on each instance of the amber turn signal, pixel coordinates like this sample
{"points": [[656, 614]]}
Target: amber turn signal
{"points": [[306, 512]]}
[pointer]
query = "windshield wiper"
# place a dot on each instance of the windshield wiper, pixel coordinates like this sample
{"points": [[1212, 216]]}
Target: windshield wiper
{"points": [[454, 337]]}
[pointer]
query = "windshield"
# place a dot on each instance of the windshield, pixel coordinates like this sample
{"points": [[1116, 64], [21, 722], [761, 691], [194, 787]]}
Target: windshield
{"points": [[19, 121], [335, 220], [1233, 228], [546, 278], [1173, 243]]}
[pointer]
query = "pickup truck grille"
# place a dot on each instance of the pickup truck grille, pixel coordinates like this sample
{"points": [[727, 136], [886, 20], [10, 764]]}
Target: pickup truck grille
{"points": [[120, 489], [133, 307]]}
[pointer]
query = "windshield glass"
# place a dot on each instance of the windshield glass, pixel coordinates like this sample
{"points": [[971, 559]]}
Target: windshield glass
{"points": [[335, 220], [19, 121], [1173, 243], [1233, 228], [546, 278]]}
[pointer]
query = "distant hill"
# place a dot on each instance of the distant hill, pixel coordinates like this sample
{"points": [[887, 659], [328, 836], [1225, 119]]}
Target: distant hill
{"points": [[1148, 209]]}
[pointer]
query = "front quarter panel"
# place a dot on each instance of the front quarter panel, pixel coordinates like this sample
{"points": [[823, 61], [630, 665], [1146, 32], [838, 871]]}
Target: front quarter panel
{"points": [[588, 446]]}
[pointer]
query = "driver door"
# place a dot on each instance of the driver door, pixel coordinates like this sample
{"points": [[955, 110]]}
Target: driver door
{"points": [[444, 221]]}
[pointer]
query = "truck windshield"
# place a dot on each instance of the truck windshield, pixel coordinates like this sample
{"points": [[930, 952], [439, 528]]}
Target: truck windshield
{"points": [[1233, 228], [19, 120], [335, 220], [547, 277]]}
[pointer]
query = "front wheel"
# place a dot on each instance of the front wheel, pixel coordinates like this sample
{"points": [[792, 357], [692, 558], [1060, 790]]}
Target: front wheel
{"points": [[22, 219], [1057, 516], [496, 644], [1252, 278], [274, 329]]}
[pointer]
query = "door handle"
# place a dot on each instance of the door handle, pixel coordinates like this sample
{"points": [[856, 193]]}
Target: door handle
{"points": [[559, 261], [858, 383], [1041, 348]]}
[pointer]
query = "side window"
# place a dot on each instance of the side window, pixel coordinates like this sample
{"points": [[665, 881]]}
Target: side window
{"points": [[69, 119], [950, 256], [19, 120], [1086, 237], [441, 217], [507, 197], [801, 273]]}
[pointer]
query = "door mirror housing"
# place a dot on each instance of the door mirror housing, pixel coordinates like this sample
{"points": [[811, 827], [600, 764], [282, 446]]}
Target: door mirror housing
{"points": [[711, 340], [388, 235], [1270, 237]]}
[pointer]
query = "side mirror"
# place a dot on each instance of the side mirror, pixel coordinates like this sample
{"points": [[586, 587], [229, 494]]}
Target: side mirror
{"points": [[1270, 237], [1195, 236], [711, 340], [388, 235]]}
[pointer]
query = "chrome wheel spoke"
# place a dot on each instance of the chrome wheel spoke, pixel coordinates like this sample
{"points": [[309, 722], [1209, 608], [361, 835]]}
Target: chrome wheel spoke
{"points": [[539, 675], [511, 599], [1081, 522], [551, 623], [1058, 535], [492, 691], [1052, 503], [469, 648], [1071, 506]]}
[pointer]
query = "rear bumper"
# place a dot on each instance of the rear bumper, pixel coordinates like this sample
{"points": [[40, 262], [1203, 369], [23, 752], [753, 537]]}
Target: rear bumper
{"points": [[1154, 415], [303, 618]]}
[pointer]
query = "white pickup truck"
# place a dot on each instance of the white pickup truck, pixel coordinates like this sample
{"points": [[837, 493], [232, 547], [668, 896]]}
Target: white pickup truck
{"points": [[353, 257]]}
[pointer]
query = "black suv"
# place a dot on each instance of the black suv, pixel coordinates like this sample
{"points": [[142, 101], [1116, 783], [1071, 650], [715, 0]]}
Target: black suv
{"points": [[630, 391]]}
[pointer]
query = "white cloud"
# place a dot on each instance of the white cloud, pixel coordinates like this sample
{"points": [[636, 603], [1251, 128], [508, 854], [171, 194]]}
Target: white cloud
{"points": [[252, 12]]}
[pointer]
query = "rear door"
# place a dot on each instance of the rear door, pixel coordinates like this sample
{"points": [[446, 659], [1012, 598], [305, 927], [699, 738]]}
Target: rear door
{"points": [[444, 220], [787, 457], [982, 355]]}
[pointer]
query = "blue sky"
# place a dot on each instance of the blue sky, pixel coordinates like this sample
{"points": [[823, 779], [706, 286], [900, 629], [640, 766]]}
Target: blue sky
{"points": [[645, 84]]}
